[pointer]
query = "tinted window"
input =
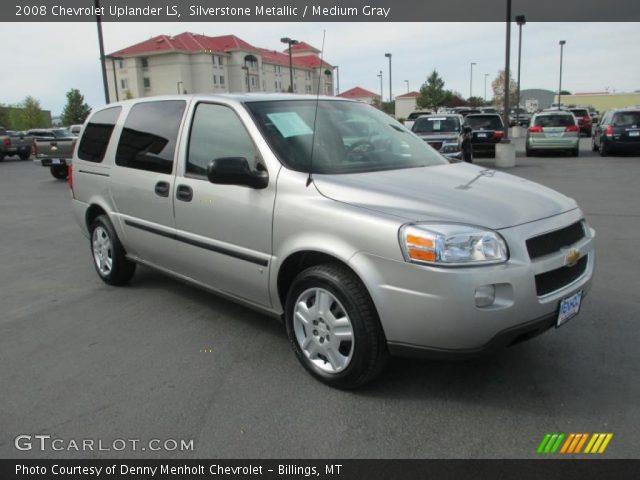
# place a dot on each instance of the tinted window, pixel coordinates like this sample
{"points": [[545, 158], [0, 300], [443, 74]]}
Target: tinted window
{"points": [[217, 132], [436, 125], [555, 120], [580, 112], [150, 134], [95, 140], [485, 122], [626, 118], [61, 133]]}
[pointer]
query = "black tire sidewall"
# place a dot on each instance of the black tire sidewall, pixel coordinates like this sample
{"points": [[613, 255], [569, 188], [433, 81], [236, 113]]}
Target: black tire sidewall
{"points": [[318, 278], [59, 173]]}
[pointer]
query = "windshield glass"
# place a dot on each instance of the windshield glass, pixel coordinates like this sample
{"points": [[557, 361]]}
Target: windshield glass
{"points": [[436, 125], [61, 132], [350, 137], [555, 120], [626, 118], [484, 122]]}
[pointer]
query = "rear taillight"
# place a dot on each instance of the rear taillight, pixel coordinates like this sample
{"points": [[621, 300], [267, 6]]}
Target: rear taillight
{"points": [[609, 131], [535, 129], [34, 149], [497, 135], [571, 128], [586, 119], [70, 179], [6, 142]]}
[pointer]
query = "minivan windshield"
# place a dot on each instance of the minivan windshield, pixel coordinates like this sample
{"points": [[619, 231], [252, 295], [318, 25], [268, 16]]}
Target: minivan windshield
{"points": [[350, 137], [557, 120]]}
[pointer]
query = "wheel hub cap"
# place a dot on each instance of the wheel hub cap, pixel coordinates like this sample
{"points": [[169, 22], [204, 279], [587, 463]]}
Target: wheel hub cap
{"points": [[102, 250]]}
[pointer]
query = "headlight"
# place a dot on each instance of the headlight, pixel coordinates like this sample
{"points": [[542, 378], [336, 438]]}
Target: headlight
{"points": [[449, 148], [451, 245]]}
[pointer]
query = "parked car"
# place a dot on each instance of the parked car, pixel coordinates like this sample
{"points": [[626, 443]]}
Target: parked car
{"points": [[53, 148], [595, 115], [15, 144], [330, 215], [553, 130], [446, 134], [519, 117], [487, 131], [413, 116], [489, 110], [75, 129], [617, 131], [584, 120]]}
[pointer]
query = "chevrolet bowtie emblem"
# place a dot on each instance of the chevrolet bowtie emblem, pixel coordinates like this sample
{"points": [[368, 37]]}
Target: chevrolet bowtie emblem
{"points": [[572, 257]]}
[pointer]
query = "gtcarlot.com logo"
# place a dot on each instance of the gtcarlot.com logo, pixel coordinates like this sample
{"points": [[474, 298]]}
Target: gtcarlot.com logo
{"points": [[574, 443]]}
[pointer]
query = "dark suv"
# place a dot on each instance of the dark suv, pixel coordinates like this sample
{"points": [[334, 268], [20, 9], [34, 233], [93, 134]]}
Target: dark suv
{"points": [[618, 130], [584, 120], [487, 130]]}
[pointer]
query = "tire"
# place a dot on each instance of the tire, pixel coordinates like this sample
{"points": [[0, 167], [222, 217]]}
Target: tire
{"points": [[108, 254], [362, 354], [575, 153], [492, 153], [605, 150], [60, 172], [467, 156], [594, 147], [24, 155], [528, 152], [1, 157]]}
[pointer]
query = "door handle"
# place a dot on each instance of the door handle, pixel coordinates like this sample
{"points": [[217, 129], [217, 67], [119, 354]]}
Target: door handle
{"points": [[162, 189], [184, 193]]}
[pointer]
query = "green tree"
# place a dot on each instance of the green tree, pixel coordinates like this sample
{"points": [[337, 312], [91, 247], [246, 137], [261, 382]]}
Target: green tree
{"points": [[475, 101], [28, 114], [498, 86], [453, 99], [76, 110], [5, 121], [432, 93]]}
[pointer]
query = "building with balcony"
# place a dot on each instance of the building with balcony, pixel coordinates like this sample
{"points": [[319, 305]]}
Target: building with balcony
{"points": [[193, 63]]}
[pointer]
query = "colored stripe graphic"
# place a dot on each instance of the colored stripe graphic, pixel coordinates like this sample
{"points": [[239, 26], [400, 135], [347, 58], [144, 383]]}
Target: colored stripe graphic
{"points": [[573, 443]]}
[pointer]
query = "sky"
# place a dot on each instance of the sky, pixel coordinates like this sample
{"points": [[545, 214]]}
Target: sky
{"points": [[48, 59]]}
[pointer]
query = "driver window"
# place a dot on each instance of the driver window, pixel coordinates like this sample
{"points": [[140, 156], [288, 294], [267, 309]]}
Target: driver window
{"points": [[218, 132]]}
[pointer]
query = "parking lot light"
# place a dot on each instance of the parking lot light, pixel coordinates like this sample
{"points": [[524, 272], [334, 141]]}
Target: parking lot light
{"points": [[520, 20], [388, 55], [471, 81], [290, 42], [562, 43]]}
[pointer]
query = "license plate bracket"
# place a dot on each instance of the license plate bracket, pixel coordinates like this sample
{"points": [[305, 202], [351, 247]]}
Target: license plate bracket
{"points": [[568, 308]]}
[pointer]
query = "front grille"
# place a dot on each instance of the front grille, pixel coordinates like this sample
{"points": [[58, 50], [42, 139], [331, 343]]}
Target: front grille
{"points": [[436, 145], [560, 277], [554, 241]]}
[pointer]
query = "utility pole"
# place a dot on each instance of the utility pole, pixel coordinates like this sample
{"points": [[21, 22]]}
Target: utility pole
{"points": [[102, 59], [388, 55]]}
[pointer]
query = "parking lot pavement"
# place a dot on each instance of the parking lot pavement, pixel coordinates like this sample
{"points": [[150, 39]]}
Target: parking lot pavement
{"points": [[159, 359]]}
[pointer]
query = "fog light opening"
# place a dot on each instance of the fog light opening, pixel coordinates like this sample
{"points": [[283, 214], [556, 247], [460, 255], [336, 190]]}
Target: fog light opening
{"points": [[485, 295]]}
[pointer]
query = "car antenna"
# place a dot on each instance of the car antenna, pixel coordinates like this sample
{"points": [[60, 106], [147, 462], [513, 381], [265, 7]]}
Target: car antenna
{"points": [[315, 115]]}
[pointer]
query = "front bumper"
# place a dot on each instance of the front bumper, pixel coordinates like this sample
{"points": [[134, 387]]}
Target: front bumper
{"points": [[432, 309]]}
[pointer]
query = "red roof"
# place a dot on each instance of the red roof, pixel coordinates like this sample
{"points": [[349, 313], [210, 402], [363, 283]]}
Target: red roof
{"points": [[358, 92], [303, 47], [193, 43], [408, 95]]}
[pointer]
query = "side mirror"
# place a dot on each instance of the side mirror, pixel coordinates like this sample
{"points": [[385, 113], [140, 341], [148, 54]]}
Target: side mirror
{"points": [[467, 129], [236, 171]]}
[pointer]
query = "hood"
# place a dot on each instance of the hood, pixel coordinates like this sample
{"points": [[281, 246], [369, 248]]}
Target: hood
{"points": [[457, 192]]}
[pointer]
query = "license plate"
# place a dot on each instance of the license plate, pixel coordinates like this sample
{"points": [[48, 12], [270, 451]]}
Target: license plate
{"points": [[482, 135], [55, 161], [634, 134], [554, 134], [569, 308]]}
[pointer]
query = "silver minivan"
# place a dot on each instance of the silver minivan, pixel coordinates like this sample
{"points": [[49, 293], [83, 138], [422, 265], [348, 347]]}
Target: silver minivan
{"points": [[331, 215]]}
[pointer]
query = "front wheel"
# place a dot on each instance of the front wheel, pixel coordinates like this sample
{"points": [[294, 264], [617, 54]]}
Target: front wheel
{"points": [[333, 327], [108, 254], [59, 171]]}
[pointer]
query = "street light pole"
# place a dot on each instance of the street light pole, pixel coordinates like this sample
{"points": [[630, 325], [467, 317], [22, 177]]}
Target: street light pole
{"points": [[290, 42], [562, 44], [246, 69], [381, 91], [337, 79], [388, 55], [485, 87], [102, 59], [407, 82], [507, 74], [520, 20], [471, 81]]}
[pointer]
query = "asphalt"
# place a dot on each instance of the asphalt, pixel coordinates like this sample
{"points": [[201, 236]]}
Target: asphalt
{"points": [[160, 359]]}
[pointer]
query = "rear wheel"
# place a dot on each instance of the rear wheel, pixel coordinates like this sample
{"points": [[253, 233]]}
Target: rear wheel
{"points": [[59, 171], [333, 327], [24, 155], [575, 152], [605, 150], [1, 157], [594, 147], [108, 254]]}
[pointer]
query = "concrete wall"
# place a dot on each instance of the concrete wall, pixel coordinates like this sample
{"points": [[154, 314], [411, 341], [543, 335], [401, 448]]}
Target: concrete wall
{"points": [[404, 106]]}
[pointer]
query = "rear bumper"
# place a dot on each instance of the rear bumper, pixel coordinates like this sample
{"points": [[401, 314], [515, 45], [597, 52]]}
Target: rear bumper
{"points": [[52, 162], [553, 143]]}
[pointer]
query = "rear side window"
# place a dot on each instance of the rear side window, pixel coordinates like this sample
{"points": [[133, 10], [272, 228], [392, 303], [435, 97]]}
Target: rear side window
{"points": [[150, 134], [486, 122], [580, 112], [555, 120], [626, 118], [95, 140]]}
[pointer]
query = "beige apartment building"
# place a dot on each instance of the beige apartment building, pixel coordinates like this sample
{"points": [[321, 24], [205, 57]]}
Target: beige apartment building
{"points": [[193, 63]]}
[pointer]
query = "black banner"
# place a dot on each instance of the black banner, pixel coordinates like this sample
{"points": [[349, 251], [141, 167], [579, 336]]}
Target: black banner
{"points": [[317, 10], [331, 469]]}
